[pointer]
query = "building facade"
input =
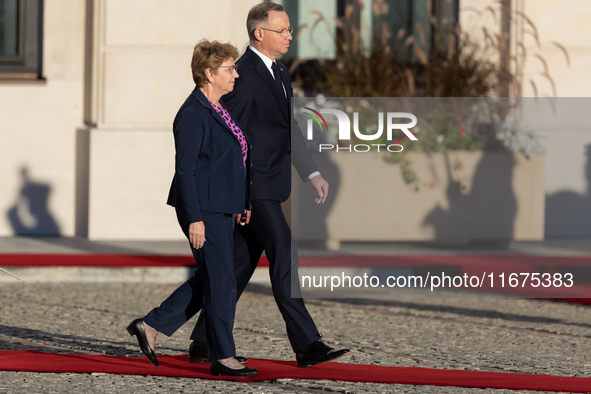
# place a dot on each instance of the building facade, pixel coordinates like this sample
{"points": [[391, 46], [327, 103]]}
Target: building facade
{"points": [[89, 89]]}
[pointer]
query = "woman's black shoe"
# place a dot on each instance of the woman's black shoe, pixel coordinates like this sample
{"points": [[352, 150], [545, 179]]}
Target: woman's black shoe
{"points": [[198, 353], [136, 328], [219, 369]]}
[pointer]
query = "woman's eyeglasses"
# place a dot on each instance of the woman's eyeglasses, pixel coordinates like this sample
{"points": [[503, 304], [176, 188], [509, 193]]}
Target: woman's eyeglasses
{"points": [[232, 68]]}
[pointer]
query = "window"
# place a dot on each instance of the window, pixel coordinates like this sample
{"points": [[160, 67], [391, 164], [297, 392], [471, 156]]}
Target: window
{"points": [[20, 39], [396, 20]]}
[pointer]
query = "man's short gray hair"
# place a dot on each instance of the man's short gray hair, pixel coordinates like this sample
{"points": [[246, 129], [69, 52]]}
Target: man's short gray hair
{"points": [[260, 14]]}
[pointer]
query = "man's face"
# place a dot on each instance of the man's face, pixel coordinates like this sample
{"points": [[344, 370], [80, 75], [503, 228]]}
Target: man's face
{"points": [[273, 43]]}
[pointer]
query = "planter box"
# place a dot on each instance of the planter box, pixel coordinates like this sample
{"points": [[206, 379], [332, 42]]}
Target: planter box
{"points": [[461, 195]]}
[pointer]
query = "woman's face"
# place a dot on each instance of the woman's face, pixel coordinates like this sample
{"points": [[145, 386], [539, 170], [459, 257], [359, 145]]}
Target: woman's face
{"points": [[223, 80]]}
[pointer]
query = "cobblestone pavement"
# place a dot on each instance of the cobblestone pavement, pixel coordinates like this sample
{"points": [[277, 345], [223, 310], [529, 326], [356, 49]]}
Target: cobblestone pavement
{"points": [[486, 334]]}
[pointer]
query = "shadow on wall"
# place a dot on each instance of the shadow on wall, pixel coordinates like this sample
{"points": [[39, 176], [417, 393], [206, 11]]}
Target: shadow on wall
{"points": [[568, 214], [317, 234], [488, 210], [332, 175], [30, 214]]}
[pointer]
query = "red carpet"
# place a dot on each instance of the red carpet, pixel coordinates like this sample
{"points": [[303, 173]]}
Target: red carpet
{"points": [[513, 261], [33, 361], [93, 260], [388, 261], [471, 265]]}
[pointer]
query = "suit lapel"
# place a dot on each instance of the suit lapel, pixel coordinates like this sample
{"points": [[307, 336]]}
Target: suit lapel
{"points": [[205, 103], [287, 83], [265, 74]]}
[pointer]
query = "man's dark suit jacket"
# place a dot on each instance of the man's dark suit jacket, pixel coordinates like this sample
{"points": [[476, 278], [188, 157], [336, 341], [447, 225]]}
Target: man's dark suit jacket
{"points": [[256, 103], [209, 169]]}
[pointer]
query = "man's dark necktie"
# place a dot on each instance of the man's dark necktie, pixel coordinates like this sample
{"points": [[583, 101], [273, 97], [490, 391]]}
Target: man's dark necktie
{"points": [[278, 83]]}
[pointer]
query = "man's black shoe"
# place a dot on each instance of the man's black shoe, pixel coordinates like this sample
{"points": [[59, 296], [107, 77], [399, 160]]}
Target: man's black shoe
{"points": [[317, 353], [198, 353]]}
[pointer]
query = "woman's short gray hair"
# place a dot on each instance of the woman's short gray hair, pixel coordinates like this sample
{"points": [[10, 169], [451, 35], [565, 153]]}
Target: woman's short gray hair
{"points": [[210, 54]]}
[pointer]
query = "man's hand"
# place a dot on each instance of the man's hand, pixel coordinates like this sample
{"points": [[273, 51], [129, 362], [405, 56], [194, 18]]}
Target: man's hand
{"points": [[239, 217], [197, 234], [321, 187]]}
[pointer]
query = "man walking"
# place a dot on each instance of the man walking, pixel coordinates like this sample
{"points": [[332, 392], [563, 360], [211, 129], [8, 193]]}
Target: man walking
{"points": [[260, 103]]}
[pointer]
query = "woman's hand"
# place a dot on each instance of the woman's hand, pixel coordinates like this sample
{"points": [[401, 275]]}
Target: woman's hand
{"points": [[239, 219], [197, 234]]}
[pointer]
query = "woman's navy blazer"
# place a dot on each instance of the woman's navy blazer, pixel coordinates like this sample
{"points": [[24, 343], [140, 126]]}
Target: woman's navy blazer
{"points": [[210, 174]]}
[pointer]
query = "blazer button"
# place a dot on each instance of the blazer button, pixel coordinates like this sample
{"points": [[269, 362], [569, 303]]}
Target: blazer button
{"points": [[289, 151], [251, 182]]}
